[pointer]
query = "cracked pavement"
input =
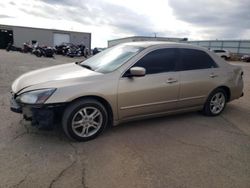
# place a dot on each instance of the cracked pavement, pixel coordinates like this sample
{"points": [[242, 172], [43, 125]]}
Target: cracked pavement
{"points": [[186, 150]]}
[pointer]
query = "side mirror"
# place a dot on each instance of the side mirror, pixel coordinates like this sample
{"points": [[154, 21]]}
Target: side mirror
{"points": [[137, 71]]}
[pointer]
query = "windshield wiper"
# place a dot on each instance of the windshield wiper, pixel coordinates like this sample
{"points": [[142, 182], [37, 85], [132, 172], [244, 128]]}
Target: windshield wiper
{"points": [[85, 66]]}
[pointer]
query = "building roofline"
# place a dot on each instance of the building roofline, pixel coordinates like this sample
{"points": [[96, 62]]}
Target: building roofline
{"points": [[221, 40], [147, 44], [132, 37], [38, 28]]}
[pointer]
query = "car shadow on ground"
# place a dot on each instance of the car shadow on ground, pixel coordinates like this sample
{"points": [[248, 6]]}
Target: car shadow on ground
{"points": [[139, 126], [154, 123]]}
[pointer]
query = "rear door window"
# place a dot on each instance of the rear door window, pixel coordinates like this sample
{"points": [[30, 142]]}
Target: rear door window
{"points": [[192, 59]]}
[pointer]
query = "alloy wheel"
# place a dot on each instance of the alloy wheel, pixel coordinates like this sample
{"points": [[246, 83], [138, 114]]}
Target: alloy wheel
{"points": [[217, 103], [87, 121]]}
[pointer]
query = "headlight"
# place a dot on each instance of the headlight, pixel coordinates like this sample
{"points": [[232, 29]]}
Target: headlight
{"points": [[36, 96]]}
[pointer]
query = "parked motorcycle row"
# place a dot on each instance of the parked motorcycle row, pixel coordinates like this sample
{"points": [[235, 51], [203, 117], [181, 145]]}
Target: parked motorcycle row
{"points": [[71, 50], [66, 49]]}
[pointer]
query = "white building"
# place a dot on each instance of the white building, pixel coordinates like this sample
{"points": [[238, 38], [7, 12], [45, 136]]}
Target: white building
{"points": [[50, 37], [143, 38]]}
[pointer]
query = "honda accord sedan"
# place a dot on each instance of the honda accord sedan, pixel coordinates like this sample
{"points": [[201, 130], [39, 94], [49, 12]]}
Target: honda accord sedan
{"points": [[127, 82]]}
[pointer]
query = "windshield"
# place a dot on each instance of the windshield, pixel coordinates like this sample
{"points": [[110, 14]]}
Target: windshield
{"points": [[112, 58]]}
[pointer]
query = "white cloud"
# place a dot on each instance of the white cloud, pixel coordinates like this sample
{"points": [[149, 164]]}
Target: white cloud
{"points": [[110, 19]]}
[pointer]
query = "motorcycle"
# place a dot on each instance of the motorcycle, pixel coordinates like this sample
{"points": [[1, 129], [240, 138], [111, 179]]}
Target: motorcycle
{"points": [[43, 51], [27, 47], [10, 47]]}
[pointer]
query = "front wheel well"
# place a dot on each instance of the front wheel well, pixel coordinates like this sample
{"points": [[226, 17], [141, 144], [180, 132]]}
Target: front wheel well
{"points": [[104, 102]]}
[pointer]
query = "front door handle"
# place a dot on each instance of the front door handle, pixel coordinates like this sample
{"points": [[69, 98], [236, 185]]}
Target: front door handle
{"points": [[212, 75], [171, 80]]}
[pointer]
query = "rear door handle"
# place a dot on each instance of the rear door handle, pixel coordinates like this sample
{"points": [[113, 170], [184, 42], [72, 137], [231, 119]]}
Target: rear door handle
{"points": [[171, 80], [212, 75]]}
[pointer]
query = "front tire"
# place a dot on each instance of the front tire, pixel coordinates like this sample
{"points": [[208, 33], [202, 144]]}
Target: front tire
{"points": [[215, 103], [84, 119]]}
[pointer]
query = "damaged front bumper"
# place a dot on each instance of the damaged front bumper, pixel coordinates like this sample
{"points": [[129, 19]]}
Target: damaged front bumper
{"points": [[14, 106], [43, 116]]}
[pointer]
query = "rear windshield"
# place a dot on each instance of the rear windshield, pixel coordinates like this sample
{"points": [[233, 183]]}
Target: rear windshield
{"points": [[219, 51]]}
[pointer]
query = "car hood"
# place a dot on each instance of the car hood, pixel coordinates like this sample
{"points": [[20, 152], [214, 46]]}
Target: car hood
{"points": [[54, 73]]}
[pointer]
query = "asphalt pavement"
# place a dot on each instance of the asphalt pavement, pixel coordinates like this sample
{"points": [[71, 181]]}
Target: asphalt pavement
{"points": [[185, 150]]}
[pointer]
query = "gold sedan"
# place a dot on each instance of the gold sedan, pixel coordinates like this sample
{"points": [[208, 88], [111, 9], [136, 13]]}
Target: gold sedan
{"points": [[126, 82]]}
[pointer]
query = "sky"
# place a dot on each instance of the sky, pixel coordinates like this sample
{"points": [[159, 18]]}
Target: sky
{"points": [[112, 19]]}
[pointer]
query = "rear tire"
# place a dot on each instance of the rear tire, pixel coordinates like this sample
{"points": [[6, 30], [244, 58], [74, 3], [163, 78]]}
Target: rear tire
{"points": [[38, 53], [84, 119], [215, 103], [224, 57]]}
